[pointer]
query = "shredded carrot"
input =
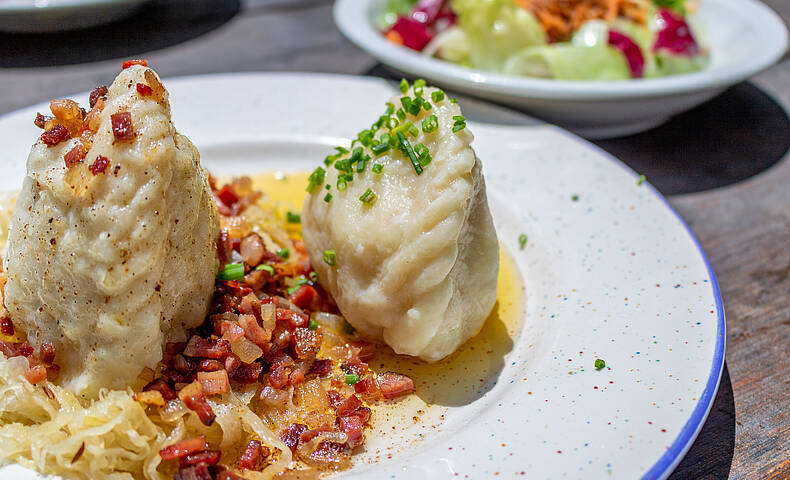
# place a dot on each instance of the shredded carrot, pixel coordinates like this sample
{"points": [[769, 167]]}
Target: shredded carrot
{"points": [[560, 18]]}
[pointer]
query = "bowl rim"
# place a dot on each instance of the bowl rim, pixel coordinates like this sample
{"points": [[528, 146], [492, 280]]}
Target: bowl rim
{"points": [[353, 19]]}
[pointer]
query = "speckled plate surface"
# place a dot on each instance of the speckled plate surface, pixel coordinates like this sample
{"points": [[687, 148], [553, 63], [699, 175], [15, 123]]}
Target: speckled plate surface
{"points": [[609, 271]]}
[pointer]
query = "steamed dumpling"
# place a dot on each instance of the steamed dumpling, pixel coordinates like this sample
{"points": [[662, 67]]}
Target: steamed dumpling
{"points": [[417, 268], [109, 264]]}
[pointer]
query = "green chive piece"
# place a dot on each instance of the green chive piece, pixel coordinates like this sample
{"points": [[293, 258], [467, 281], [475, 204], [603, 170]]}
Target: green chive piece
{"points": [[292, 217], [599, 363], [377, 168], [313, 276], [330, 257], [390, 108], [381, 148], [266, 268], [423, 154], [315, 179], [453, 100], [231, 271], [341, 150], [430, 124], [368, 197], [427, 106], [522, 241], [283, 253], [352, 378], [313, 325], [406, 102], [328, 186], [419, 84], [328, 197], [404, 86], [362, 162], [413, 130], [574, 198], [349, 329], [341, 184], [405, 146], [641, 180], [458, 127], [437, 96], [401, 114]]}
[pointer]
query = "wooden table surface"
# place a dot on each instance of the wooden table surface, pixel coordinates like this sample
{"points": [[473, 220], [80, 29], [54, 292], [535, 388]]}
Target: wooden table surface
{"points": [[724, 166]]}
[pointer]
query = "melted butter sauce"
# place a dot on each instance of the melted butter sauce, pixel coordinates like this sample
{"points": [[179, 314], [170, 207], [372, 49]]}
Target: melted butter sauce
{"points": [[457, 380]]}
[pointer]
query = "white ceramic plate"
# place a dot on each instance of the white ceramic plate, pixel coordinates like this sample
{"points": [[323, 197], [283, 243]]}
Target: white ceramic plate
{"points": [[744, 36], [46, 16], [615, 274]]}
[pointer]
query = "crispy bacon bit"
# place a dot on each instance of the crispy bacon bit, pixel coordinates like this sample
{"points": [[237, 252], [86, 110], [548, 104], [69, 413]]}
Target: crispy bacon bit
{"points": [[209, 365], [252, 456], [96, 94], [207, 458], [162, 387], [279, 376], [394, 385], [349, 406], [224, 247], [144, 89], [151, 397], [47, 354], [6, 326], [352, 426], [75, 155], [292, 434], [296, 377], [36, 374], [252, 249], [181, 364], [122, 128], [184, 448], [231, 331], [232, 363], [248, 373], [202, 347], [158, 90], [368, 388], [321, 367], [363, 350], [254, 331], [306, 342], [99, 165], [134, 61], [67, 113], [303, 296], [250, 305], [55, 135], [25, 350], [214, 383], [198, 472], [193, 397], [227, 196], [174, 347], [41, 120]]}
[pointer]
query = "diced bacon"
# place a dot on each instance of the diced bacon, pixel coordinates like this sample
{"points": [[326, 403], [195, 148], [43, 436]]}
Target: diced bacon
{"points": [[209, 365], [6, 326], [279, 376], [55, 135], [291, 435], [250, 305], [363, 350], [47, 354], [208, 458], [202, 347], [256, 279], [253, 456], [8, 349], [321, 367], [99, 165], [296, 377], [162, 387], [181, 364], [96, 94], [281, 337], [214, 383], [349, 406], [75, 155], [231, 331], [254, 331], [252, 249], [36, 374], [174, 375], [394, 385], [306, 342], [248, 373], [134, 61], [144, 89], [368, 388], [198, 472], [41, 120], [294, 319], [232, 363], [279, 358], [335, 398], [25, 350], [227, 196], [352, 426], [355, 365], [151, 397], [184, 448], [174, 347], [122, 128], [193, 397], [224, 246], [303, 296]]}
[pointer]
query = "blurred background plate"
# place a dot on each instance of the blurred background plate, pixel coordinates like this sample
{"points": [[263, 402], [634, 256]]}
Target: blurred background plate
{"points": [[744, 36], [46, 16]]}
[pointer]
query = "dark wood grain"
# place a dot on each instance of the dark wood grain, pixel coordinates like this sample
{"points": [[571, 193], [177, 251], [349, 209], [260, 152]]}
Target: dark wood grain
{"points": [[744, 227]]}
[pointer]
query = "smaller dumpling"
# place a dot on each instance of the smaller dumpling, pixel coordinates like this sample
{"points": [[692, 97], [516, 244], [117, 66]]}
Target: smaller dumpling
{"points": [[407, 246]]}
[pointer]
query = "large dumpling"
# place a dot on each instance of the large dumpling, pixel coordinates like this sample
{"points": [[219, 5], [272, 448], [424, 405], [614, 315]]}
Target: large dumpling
{"points": [[411, 259], [111, 249]]}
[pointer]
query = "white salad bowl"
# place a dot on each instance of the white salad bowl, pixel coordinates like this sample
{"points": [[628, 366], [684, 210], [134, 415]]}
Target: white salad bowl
{"points": [[744, 38]]}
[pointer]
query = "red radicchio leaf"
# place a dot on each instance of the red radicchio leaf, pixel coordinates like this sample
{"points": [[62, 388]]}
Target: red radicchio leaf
{"points": [[675, 36], [632, 52], [426, 11], [414, 34]]}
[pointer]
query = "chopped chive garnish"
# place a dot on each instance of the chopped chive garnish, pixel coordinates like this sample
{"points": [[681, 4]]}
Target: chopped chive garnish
{"points": [[599, 363], [430, 124], [401, 114], [313, 325], [405, 146], [341, 150], [641, 180], [283, 253], [349, 329], [459, 119], [368, 197], [352, 378], [292, 217], [362, 162], [453, 100], [406, 102], [391, 123], [328, 186], [341, 183], [365, 137], [404, 86], [460, 123], [413, 130], [316, 179], [437, 96], [458, 127], [329, 257], [390, 108], [328, 197], [423, 154], [231, 271], [266, 268], [427, 106], [313, 276], [522, 241], [415, 106], [574, 198], [419, 84], [380, 148], [377, 168]]}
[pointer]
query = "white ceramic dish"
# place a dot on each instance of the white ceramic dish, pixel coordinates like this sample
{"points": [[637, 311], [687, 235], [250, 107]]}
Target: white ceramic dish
{"points": [[744, 36], [47, 16], [615, 274]]}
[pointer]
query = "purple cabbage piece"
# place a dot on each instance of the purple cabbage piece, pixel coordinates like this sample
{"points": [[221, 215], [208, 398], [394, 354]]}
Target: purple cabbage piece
{"points": [[414, 34], [426, 11], [631, 51], [675, 35]]}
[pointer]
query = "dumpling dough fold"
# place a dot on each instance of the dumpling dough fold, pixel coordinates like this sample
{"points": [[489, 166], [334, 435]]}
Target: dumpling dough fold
{"points": [[110, 266], [418, 268]]}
